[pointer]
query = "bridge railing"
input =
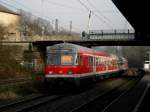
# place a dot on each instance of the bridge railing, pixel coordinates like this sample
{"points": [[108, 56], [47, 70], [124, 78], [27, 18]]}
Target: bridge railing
{"points": [[116, 31], [109, 35]]}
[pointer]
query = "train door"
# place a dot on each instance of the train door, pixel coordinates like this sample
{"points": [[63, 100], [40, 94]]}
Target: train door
{"points": [[94, 64], [90, 64]]}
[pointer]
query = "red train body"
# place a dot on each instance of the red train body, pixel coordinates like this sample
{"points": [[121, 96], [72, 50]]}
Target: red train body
{"points": [[71, 62]]}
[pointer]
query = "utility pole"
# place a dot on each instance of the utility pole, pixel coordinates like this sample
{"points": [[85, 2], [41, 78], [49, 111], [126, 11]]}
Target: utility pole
{"points": [[70, 27], [88, 27], [43, 29], [56, 25]]}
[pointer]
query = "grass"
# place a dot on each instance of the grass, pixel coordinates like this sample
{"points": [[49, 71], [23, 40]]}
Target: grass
{"points": [[11, 69], [12, 92], [8, 95]]}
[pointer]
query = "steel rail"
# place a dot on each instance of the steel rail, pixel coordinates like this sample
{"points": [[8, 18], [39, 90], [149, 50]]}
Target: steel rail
{"points": [[87, 104]]}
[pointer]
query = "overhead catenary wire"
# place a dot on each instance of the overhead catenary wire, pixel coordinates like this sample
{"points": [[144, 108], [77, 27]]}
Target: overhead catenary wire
{"points": [[88, 9], [33, 10], [112, 12], [29, 10], [100, 13], [61, 5], [65, 6]]}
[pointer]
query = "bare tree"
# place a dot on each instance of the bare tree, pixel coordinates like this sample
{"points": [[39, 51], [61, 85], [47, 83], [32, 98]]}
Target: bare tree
{"points": [[34, 25], [135, 55]]}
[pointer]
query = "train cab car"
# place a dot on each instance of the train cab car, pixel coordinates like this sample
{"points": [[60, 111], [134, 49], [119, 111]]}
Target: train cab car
{"points": [[72, 63]]}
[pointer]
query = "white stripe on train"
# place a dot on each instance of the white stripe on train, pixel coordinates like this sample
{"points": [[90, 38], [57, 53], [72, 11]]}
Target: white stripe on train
{"points": [[80, 75]]}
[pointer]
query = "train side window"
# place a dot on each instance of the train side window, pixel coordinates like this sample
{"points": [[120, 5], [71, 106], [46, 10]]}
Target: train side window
{"points": [[87, 60], [79, 60], [99, 61], [91, 61], [107, 62], [111, 62], [103, 63], [96, 61]]}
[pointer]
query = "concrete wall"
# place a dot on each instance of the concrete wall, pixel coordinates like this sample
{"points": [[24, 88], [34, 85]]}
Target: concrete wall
{"points": [[12, 23], [52, 37]]}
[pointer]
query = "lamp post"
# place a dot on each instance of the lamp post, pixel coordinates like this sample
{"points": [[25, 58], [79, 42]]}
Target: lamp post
{"points": [[43, 29]]}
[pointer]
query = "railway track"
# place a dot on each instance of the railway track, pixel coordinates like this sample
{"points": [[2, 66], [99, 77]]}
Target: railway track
{"points": [[102, 102], [28, 104], [77, 102], [72, 103], [14, 81]]}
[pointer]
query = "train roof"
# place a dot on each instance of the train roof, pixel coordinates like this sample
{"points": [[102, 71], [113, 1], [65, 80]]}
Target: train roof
{"points": [[78, 48]]}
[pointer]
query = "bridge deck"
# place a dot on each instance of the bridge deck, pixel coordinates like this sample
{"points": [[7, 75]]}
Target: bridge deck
{"points": [[83, 43], [96, 43]]}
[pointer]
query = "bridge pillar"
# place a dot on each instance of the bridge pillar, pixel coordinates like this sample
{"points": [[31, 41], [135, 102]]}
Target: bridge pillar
{"points": [[34, 59]]}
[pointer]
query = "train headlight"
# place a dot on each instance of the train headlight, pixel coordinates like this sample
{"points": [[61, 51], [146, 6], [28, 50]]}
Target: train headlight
{"points": [[70, 72], [50, 72], [60, 72]]}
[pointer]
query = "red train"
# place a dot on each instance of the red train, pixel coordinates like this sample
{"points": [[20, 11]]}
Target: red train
{"points": [[73, 63]]}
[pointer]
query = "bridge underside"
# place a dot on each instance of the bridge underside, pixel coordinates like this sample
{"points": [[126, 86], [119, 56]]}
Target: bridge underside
{"points": [[43, 44], [137, 13], [94, 43]]}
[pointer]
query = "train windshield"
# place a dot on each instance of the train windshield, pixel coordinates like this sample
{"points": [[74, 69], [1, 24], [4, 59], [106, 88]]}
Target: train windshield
{"points": [[60, 59]]}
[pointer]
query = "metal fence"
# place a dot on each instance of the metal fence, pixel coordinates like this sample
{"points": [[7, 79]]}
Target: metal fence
{"points": [[109, 35]]}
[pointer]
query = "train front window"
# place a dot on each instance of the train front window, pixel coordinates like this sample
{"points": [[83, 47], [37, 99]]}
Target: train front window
{"points": [[66, 59], [60, 59]]}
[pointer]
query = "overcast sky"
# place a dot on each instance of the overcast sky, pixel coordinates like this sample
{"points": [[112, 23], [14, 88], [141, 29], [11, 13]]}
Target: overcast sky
{"points": [[105, 15]]}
